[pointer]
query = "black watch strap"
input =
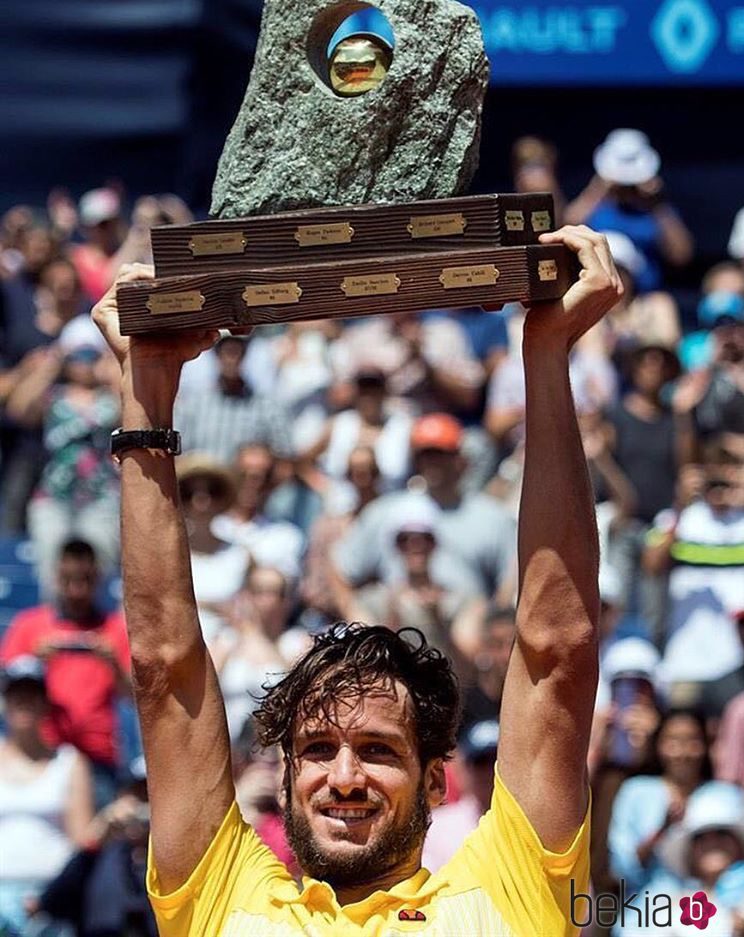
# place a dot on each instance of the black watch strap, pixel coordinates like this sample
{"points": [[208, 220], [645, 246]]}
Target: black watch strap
{"points": [[169, 440]]}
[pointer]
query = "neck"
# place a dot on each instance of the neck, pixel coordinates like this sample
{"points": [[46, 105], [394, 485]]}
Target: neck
{"points": [[30, 745], [406, 869], [201, 538], [445, 497], [420, 578], [232, 386]]}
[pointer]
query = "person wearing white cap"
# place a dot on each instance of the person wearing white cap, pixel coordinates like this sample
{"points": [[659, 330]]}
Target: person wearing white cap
{"points": [[627, 195], [646, 317], [705, 851], [419, 599]]}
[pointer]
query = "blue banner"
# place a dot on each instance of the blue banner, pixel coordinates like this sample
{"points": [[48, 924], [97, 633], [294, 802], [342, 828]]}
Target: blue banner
{"points": [[640, 42]]}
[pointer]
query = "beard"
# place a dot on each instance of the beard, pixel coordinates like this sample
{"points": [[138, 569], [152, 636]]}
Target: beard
{"points": [[367, 863]]}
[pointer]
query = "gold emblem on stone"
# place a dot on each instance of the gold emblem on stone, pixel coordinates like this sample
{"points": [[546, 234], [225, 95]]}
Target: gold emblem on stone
{"points": [[358, 64]]}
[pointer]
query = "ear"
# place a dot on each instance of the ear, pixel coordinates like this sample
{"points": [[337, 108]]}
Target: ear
{"points": [[435, 782]]}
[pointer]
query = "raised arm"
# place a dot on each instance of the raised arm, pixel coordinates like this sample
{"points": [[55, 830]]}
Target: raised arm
{"points": [[548, 700], [180, 708]]}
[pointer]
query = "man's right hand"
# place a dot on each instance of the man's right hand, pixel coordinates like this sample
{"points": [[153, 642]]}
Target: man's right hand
{"points": [[175, 349]]}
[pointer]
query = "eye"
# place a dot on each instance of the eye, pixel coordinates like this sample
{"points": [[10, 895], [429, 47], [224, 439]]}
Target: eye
{"points": [[318, 750], [378, 750]]}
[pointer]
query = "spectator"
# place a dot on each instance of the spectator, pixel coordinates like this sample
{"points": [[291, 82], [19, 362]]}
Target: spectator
{"points": [[428, 361], [534, 168], [650, 318], [372, 421], [101, 890], [342, 504], [593, 382], [78, 493], [219, 419], [278, 544], [218, 567], [700, 544], [304, 376], [627, 195], [647, 806], [475, 534], [103, 228], [258, 774], [46, 800], [451, 823], [730, 743], [715, 392], [87, 662], [24, 329], [484, 635], [722, 299], [706, 851], [258, 646], [649, 444], [418, 600]]}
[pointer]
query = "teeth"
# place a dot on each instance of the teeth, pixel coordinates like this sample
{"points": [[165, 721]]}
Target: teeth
{"points": [[348, 814]]}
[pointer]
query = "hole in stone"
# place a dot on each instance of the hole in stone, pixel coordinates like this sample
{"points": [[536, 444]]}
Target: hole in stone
{"points": [[350, 47]]}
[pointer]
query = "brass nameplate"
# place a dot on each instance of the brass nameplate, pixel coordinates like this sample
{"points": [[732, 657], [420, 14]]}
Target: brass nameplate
{"points": [[317, 235], [547, 270], [514, 220], [437, 226], [541, 221], [203, 245], [453, 278], [161, 304], [377, 284], [272, 294]]}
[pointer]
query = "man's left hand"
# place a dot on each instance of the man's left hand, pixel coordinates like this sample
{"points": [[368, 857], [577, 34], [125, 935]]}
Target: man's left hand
{"points": [[595, 292]]}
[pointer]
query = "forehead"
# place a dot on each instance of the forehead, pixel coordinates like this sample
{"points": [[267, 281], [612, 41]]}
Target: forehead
{"points": [[380, 711]]}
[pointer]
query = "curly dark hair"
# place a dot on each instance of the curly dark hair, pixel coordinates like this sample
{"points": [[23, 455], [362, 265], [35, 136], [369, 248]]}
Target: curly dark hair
{"points": [[344, 663]]}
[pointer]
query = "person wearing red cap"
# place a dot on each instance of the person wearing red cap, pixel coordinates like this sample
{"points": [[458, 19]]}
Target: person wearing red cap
{"points": [[475, 534]]}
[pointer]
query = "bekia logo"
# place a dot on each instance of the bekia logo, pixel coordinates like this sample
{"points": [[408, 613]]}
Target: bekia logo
{"points": [[638, 909], [697, 910]]}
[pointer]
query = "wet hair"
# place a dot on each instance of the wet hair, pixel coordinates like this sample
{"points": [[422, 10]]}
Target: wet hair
{"points": [[344, 664]]}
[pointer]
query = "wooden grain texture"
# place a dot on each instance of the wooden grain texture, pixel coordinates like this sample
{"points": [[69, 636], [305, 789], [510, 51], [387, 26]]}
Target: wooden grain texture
{"points": [[322, 296], [378, 230]]}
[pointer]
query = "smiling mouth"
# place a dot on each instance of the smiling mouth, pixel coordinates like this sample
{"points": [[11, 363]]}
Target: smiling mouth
{"points": [[349, 814]]}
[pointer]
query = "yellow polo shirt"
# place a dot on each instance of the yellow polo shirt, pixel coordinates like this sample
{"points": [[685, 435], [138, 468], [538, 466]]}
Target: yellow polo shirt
{"points": [[500, 883]]}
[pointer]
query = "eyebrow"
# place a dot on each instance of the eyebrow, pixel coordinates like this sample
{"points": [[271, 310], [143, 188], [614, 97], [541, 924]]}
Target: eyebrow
{"points": [[366, 734]]}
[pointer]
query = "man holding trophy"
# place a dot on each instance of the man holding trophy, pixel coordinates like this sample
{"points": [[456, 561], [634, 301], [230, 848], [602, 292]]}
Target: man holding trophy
{"points": [[367, 718]]}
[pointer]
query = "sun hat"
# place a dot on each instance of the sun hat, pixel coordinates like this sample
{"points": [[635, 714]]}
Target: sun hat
{"points": [[625, 253], [200, 465], [671, 359], [437, 431], [626, 158], [716, 805]]}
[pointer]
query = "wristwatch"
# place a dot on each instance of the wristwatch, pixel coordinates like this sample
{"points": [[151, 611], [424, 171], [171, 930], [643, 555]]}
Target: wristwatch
{"points": [[169, 440]]}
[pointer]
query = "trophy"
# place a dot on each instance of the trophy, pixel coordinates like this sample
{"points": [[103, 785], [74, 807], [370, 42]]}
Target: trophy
{"points": [[339, 191]]}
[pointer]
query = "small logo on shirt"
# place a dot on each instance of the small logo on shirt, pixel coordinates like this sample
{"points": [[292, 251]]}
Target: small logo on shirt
{"points": [[411, 914]]}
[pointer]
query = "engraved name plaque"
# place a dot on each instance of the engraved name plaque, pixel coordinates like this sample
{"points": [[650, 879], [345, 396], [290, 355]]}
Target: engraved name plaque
{"points": [[271, 294]]}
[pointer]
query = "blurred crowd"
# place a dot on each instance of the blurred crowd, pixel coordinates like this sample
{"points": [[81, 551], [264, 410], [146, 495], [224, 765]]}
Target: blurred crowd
{"points": [[371, 470]]}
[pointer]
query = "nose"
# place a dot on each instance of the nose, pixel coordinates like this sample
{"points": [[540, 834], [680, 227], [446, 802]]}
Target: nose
{"points": [[345, 774]]}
